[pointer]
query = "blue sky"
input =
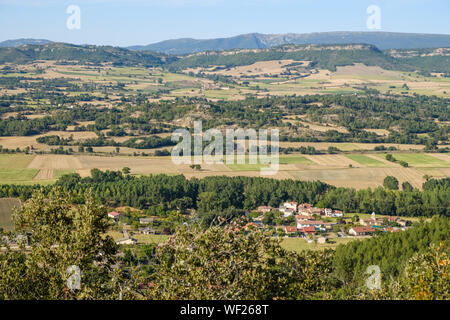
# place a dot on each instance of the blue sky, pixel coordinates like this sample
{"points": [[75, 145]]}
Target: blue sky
{"points": [[131, 22]]}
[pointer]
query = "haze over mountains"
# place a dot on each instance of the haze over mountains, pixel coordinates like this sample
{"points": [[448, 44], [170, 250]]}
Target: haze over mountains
{"points": [[382, 40]]}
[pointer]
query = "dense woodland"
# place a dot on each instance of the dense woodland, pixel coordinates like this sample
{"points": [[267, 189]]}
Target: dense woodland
{"points": [[409, 120], [213, 196], [198, 263]]}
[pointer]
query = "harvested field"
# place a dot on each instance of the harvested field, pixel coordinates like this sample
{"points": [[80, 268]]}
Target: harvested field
{"points": [[44, 174], [361, 177], [333, 160], [55, 162]]}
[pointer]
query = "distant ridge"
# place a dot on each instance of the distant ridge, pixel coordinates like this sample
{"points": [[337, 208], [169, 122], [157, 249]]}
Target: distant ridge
{"points": [[20, 42], [382, 40]]}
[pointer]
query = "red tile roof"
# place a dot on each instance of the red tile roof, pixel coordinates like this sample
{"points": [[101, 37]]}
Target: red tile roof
{"points": [[291, 229], [308, 229], [363, 229]]}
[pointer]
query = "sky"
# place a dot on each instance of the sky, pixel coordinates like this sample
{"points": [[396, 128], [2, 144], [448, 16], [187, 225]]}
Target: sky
{"points": [[140, 22]]}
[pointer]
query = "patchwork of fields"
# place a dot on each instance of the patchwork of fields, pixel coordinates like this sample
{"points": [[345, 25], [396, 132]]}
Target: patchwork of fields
{"points": [[346, 170]]}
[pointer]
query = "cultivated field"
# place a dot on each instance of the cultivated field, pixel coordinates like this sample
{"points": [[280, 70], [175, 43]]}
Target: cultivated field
{"points": [[344, 170], [6, 207]]}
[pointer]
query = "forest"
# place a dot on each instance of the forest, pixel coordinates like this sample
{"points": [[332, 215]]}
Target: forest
{"points": [[213, 196], [199, 263]]}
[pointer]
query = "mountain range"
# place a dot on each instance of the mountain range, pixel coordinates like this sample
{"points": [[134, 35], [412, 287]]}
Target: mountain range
{"points": [[382, 40]]}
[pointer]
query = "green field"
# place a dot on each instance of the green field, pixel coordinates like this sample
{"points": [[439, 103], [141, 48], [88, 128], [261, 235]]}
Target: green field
{"points": [[59, 173], [300, 244], [365, 161], [13, 169], [6, 207], [150, 238], [11, 176], [295, 160], [15, 161], [420, 160]]}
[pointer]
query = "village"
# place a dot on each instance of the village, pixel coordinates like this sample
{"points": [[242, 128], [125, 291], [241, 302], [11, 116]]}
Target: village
{"points": [[289, 220]]}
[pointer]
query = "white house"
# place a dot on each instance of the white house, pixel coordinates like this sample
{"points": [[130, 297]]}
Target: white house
{"points": [[291, 205], [286, 211], [114, 215], [126, 241]]}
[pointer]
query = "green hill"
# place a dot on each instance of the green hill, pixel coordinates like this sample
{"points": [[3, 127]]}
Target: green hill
{"points": [[83, 54]]}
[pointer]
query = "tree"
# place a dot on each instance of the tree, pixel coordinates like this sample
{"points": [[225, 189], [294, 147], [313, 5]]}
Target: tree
{"points": [[406, 186], [427, 275], [126, 170], [391, 183], [223, 263], [62, 239]]}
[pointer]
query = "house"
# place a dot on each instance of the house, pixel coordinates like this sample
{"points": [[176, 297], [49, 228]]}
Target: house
{"points": [[302, 217], [361, 231], [286, 211], [369, 222], [328, 212], [264, 209], [304, 206], [258, 221], [145, 220], [308, 231], [337, 213], [114, 215], [317, 211], [291, 205], [147, 230], [251, 225], [290, 229], [127, 240], [310, 223]]}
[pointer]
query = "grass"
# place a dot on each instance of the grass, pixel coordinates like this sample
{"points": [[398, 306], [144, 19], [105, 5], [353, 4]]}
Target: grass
{"points": [[300, 244], [6, 206], [15, 161], [365, 161], [9, 176], [150, 238], [295, 160], [59, 173], [420, 160]]}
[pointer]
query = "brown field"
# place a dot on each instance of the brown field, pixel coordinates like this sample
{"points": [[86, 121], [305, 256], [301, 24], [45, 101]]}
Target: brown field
{"points": [[331, 161], [332, 169], [361, 69], [55, 162], [360, 177]]}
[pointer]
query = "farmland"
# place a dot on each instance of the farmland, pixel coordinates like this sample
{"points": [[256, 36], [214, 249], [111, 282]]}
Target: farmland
{"points": [[6, 207], [367, 170]]}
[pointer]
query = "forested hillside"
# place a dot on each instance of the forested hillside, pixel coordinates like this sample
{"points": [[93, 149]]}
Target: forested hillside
{"points": [[82, 54]]}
